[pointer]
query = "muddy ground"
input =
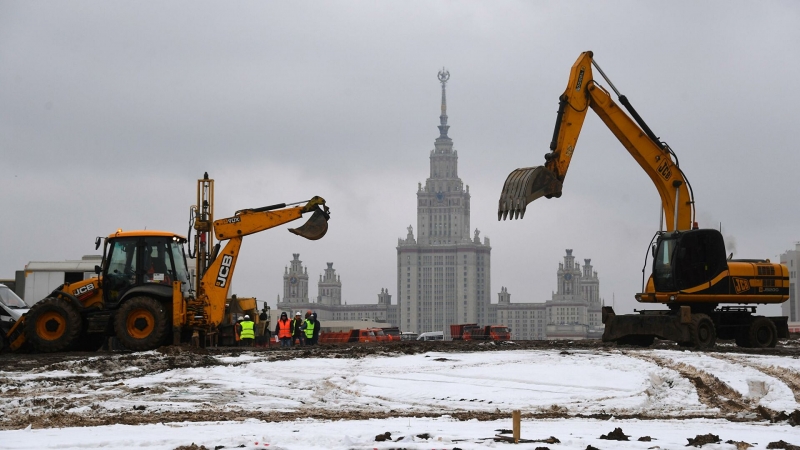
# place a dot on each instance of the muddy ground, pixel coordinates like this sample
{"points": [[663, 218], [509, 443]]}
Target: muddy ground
{"points": [[47, 410]]}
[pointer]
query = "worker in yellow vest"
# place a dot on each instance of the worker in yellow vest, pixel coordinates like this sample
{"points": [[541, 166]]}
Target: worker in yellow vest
{"points": [[248, 334], [311, 328]]}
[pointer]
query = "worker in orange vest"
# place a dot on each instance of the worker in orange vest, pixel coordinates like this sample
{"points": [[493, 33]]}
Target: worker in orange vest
{"points": [[284, 330], [237, 330]]}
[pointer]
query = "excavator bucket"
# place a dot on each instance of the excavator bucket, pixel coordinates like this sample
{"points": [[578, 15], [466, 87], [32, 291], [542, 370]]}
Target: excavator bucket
{"points": [[524, 186], [315, 227]]}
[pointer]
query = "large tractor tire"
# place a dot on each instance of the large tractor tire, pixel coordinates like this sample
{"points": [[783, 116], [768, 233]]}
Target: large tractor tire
{"points": [[763, 333], [704, 333], [141, 323], [53, 325]]}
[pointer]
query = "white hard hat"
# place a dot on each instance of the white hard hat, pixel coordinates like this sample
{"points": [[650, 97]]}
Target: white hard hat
{"points": [[246, 317], [298, 313]]}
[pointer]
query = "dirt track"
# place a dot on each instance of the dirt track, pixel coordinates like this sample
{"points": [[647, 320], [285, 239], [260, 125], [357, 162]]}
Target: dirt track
{"points": [[58, 400]]}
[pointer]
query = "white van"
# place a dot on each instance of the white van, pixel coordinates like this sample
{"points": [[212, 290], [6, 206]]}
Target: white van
{"points": [[431, 336], [408, 336]]}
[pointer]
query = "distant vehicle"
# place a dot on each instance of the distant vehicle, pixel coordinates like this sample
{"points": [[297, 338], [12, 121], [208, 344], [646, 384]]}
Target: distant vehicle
{"points": [[471, 331], [408, 336], [340, 337], [431, 336], [380, 336], [11, 309], [393, 333]]}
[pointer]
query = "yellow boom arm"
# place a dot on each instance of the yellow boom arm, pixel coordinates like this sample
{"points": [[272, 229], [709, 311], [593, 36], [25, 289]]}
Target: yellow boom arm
{"points": [[527, 184], [214, 285]]}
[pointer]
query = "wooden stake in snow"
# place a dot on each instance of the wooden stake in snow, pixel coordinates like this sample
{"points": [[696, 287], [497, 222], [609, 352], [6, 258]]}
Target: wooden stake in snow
{"points": [[515, 417]]}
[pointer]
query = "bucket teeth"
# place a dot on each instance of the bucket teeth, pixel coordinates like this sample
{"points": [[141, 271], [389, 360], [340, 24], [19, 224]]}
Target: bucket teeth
{"points": [[524, 186]]}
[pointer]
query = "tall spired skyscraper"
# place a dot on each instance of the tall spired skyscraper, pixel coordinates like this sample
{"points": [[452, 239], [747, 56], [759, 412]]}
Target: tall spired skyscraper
{"points": [[443, 275]]}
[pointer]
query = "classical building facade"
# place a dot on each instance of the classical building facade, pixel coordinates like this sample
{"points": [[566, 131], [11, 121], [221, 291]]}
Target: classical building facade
{"points": [[443, 274], [573, 312], [328, 303]]}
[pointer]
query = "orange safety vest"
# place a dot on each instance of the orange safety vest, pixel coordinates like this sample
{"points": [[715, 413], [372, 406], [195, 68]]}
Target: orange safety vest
{"points": [[284, 329]]}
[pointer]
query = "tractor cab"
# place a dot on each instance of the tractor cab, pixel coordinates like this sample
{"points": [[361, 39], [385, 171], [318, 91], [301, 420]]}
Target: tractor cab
{"points": [[143, 261], [687, 259]]}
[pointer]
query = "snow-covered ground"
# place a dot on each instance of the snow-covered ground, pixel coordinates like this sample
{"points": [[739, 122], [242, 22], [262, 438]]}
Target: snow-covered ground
{"points": [[426, 400]]}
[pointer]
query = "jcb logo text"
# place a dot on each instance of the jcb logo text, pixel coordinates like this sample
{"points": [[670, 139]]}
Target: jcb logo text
{"points": [[741, 285], [664, 170], [224, 271], [83, 290]]}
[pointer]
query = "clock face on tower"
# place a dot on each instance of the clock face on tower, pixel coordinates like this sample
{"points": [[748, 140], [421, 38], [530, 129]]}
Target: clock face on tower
{"points": [[440, 196], [568, 276], [293, 280]]}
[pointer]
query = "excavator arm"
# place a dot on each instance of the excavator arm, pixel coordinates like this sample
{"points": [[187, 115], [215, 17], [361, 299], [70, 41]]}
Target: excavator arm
{"points": [[655, 157], [209, 307]]}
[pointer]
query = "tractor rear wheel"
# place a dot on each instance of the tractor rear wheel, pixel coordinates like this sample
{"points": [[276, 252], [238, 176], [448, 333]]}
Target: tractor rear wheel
{"points": [[141, 323], [763, 333], [52, 325], [704, 334]]}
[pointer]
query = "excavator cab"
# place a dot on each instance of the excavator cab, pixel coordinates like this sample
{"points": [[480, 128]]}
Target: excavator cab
{"points": [[145, 260], [688, 259]]}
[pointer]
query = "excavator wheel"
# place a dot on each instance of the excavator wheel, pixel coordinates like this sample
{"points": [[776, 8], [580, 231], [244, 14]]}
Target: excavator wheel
{"points": [[52, 325], [141, 323], [763, 333], [704, 334]]}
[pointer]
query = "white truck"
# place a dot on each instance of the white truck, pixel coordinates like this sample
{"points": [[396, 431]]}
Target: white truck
{"points": [[11, 309]]}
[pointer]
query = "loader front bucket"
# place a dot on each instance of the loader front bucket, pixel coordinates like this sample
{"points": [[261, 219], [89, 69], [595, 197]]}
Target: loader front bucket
{"points": [[315, 227], [524, 186]]}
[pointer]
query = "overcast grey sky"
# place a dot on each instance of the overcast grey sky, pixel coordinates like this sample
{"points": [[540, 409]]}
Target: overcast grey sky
{"points": [[110, 111]]}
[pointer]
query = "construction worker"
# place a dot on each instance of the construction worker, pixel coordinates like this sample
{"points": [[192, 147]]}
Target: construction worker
{"points": [[309, 328], [297, 329], [237, 331], [316, 328], [247, 334], [283, 330]]}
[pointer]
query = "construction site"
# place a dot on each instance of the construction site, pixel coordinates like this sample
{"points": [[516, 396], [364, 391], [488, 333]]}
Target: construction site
{"points": [[585, 381], [184, 329]]}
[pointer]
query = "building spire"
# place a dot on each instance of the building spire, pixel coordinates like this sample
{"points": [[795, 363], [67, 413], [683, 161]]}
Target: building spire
{"points": [[444, 75]]}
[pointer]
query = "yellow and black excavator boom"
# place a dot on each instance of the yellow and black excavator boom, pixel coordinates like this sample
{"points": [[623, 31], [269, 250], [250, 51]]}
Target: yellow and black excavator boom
{"points": [[656, 158]]}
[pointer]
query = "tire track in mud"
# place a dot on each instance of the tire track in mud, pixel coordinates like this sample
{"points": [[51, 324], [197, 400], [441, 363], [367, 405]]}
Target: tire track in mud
{"points": [[711, 391], [788, 377]]}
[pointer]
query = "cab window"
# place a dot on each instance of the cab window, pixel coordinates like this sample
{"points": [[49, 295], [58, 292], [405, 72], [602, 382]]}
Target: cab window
{"points": [[121, 270], [157, 264], [179, 259]]}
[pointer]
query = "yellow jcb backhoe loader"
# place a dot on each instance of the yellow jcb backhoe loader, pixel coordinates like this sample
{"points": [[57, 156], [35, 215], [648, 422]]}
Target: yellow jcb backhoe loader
{"points": [[690, 272], [144, 293]]}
